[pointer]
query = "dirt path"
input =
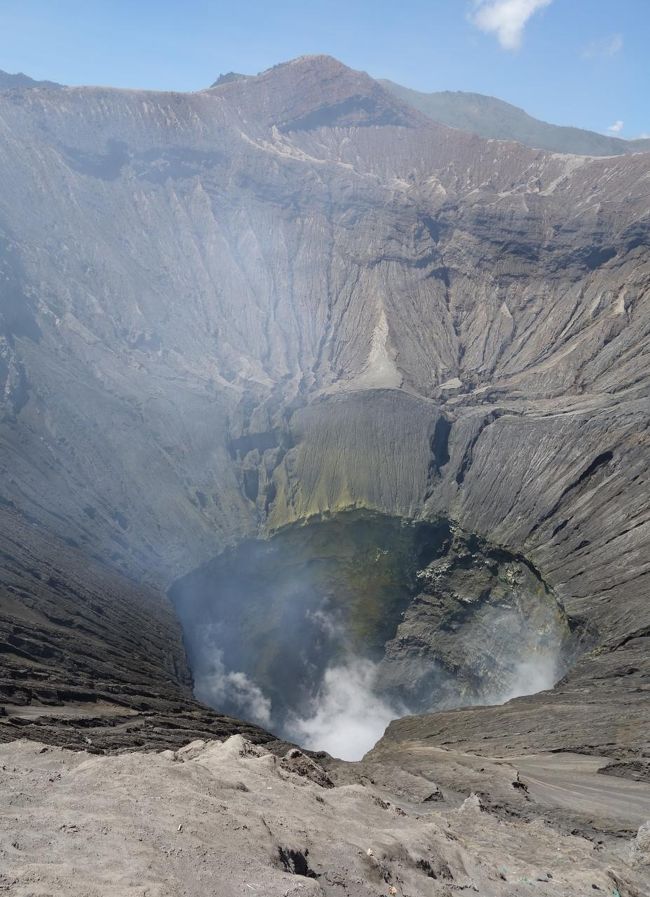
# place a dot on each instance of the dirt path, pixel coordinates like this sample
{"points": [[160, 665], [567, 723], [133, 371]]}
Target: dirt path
{"points": [[573, 781]]}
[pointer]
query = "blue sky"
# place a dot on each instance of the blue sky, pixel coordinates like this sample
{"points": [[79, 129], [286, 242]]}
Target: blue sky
{"points": [[580, 62]]}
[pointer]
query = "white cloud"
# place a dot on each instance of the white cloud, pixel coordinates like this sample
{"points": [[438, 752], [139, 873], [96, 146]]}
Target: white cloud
{"points": [[505, 18], [616, 128], [604, 48]]}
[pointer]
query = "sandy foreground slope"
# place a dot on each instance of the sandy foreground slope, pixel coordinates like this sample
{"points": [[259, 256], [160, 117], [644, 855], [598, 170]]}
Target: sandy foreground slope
{"points": [[233, 819]]}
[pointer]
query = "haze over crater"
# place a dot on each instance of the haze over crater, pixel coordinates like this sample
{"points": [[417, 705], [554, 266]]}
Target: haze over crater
{"points": [[291, 297]]}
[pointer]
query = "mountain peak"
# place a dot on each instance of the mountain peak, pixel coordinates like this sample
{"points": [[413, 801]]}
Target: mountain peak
{"points": [[228, 78], [317, 91]]}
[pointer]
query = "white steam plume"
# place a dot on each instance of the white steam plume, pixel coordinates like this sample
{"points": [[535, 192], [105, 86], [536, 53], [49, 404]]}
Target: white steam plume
{"points": [[348, 717], [216, 685], [529, 677]]}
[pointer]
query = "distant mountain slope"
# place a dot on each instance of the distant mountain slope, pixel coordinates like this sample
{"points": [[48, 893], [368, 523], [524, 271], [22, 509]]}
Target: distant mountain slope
{"points": [[9, 82], [490, 117]]}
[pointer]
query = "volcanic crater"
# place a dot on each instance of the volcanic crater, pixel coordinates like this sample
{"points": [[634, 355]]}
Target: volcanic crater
{"points": [[286, 343]]}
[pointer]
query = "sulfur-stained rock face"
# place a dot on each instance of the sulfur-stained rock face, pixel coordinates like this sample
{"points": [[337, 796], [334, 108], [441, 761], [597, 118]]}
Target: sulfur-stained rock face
{"points": [[292, 295]]}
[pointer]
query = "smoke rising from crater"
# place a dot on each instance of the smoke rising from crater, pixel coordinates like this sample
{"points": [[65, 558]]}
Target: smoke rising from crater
{"points": [[530, 677], [219, 687], [349, 709], [327, 632], [347, 716]]}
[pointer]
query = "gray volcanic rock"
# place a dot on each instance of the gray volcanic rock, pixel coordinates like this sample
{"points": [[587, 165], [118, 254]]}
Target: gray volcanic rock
{"points": [[493, 118], [230, 818], [231, 311], [90, 659], [483, 629]]}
